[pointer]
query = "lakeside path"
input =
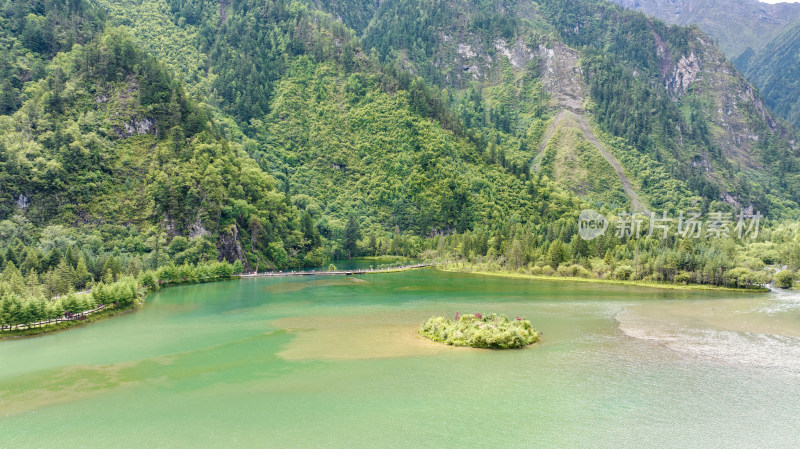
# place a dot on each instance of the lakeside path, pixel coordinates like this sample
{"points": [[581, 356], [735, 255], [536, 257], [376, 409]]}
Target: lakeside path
{"points": [[45, 326], [272, 274]]}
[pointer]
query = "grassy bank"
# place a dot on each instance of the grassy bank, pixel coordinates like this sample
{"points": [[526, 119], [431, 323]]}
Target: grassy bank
{"points": [[55, 327], [148, 282], [91, 318], [117, 296], [509, 274], [384, 258]]}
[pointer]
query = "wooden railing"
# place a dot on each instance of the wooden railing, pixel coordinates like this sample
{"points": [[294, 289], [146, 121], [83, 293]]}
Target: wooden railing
{"points": [[67, 317], [334, 273]]}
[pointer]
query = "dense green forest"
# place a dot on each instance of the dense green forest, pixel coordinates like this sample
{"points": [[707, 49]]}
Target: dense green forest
{"points": [[762, 39], [775, 69], [281, 134], [103, 149], [626, 60]]}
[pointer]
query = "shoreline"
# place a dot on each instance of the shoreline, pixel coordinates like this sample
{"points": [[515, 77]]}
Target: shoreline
{"points": [[653, 285], [335, 273], [110, 313], [103, 315]]}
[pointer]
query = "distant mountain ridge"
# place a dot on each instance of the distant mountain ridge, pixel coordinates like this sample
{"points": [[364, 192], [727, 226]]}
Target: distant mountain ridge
{"points": [[736, 25], [762, 40]]}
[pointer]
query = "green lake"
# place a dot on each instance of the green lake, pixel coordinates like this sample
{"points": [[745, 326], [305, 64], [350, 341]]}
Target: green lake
{"points": [[336, 362]]}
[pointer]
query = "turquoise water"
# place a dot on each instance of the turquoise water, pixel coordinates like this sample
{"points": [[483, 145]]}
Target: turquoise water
{"points": [[336, 362]]}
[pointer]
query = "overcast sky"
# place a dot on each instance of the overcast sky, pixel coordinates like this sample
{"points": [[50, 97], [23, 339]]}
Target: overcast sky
{"points": [[780, 1]]}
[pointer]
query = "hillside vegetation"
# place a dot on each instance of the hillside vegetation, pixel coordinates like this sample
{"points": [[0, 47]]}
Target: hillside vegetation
{"points": [[761, 39], [281, 134]]}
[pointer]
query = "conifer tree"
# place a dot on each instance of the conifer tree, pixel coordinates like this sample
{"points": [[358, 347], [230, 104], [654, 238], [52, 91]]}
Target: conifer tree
{"points": [[352, 233], [112, 266], [82, 276], [11, 257], [31, 262], [70, 257], [13, 278], [65, 276], [53, 258], [555, 255]]}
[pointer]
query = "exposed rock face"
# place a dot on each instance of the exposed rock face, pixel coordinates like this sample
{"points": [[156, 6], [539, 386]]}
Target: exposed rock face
{"points": [[562, 76], [229, 247], [138, 127], [197, 229], [23, 201], [685, 73], [761, 39], [732, 108], [518, 54], [125, 111], [466, 51]]}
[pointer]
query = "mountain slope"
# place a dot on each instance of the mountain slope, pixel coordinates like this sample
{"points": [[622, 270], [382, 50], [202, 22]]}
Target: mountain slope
{"points": [[776, 71], [474, 130], [108, 143], [326, 74], [735, 25], [760, 38], [666, 90], [506, 68]]}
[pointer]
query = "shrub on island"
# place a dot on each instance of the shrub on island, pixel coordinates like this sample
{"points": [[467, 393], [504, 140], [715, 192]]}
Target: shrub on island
{"points": [[478, 331]]}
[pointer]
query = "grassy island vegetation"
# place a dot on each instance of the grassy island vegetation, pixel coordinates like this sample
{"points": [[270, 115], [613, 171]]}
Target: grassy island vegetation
{"points": [[478, 331]]}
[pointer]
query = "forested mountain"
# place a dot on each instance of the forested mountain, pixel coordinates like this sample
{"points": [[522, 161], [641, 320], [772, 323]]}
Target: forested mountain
{"points": [[495, 74], [101, 143], [775, 69], [760, 39], [735, 25], [283, 133], [666, 91]]}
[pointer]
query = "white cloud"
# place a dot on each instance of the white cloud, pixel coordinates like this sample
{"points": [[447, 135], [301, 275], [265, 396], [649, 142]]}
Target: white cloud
{"points": [[779, 1]]}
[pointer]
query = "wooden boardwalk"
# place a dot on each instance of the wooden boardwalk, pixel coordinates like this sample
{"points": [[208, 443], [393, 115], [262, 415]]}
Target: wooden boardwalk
{"points": [[80, 316], [272, 274]]}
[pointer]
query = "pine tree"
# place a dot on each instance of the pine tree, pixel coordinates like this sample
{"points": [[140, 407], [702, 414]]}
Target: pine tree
{"points": [[108, 277], [31, 262], [607, 258], [53, 258], [13, 278], [48, 284], [580, 249], [555, 255], [516, 255], [11, 256], [55, 309], [373, 244], [310, 231], [34, 286], [352, 233], [82, 276], [70, 257], [113, 267], [66, 277]]}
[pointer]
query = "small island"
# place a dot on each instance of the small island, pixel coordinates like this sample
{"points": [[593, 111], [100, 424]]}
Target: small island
{"points": [[478, 331]]}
